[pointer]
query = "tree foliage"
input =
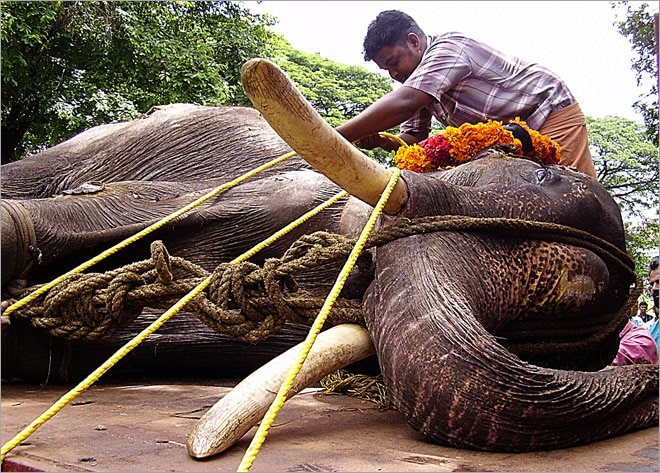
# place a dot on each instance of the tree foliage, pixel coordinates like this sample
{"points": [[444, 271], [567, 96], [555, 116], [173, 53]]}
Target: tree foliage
{"points": [[627, 165], [67, 66], [626, 162], [639, 27], [337, 91], [642, 243]]}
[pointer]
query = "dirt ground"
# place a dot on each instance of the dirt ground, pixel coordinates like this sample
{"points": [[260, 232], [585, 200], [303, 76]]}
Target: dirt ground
{"points": [[142, 427]]}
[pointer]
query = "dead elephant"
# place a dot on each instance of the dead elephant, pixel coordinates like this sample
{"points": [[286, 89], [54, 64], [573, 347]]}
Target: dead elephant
{"points": [[488, 338]]}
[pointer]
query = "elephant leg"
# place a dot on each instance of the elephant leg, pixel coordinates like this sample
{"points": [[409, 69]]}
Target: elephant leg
{"points": [[70, 229]]}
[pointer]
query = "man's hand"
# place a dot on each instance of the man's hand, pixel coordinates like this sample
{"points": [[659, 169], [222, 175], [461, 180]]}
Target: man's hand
{"points": [[377, 141]]}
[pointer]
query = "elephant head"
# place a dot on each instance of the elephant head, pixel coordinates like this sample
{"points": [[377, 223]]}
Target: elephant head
{"points": [[443, 306]]}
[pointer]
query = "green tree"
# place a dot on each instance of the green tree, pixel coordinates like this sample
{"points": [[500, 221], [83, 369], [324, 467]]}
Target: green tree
{"points": [[626, 162], [67, 66], [642, 243], [639, 27]]}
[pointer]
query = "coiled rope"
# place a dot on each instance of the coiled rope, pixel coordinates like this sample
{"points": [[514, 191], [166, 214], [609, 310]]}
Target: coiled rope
{"points": [[250, 303]]}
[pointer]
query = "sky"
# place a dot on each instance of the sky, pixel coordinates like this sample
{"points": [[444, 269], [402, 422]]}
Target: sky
{"points": [[575, 39]]}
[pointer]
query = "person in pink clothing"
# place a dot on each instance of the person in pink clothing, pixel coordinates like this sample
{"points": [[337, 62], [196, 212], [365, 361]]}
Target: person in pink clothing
{"points": [[637, 346]]}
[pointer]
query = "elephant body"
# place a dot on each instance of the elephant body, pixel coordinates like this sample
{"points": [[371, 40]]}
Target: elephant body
{"points": [[180, 142], [491, 338], [69, 203]]}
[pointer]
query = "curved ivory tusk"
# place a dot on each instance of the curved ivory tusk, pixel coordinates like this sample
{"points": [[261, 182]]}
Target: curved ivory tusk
{"points": [[294, 119], [245, 405]]}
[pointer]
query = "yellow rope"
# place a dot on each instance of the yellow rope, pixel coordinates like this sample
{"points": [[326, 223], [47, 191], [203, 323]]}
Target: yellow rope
{"points": [[282, 394], [32, 296], [393, 137], [123, 351]]}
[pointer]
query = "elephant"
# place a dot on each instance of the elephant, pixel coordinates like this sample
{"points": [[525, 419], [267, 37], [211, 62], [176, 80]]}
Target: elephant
{"points": [[492, 332], [65, 205]]}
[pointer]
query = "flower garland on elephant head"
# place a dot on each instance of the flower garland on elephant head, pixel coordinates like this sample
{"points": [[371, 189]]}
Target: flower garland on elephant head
{"points": [[459, 145]]}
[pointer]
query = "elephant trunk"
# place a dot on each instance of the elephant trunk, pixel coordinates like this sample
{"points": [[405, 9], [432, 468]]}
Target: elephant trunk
{"points": [[457, 384], [294, 119], [484, 398]]}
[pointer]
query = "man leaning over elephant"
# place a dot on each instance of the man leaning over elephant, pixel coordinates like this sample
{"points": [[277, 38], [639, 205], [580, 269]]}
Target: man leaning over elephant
{"points": [[459, 80]]}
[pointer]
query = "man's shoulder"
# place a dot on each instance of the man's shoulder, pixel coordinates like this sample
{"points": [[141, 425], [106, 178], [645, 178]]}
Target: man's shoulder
{"points": [[457, 41], [449, 36]]}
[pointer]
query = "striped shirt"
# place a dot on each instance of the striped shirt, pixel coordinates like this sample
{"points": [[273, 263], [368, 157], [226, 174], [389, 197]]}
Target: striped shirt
{"points": [[472, 82]]}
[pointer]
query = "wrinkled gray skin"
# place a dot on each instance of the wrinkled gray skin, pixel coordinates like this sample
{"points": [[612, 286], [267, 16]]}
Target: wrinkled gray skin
{"points": [[150, 168], [445, 308], [147, 169], [440, 301]]}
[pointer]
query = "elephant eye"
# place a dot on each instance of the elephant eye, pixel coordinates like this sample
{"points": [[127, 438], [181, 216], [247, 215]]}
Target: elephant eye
{"points": [[542, 175]]}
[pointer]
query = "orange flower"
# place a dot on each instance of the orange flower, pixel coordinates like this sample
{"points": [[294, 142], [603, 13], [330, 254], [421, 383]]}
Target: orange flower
{"points": [[458, 145], [412, 158]]}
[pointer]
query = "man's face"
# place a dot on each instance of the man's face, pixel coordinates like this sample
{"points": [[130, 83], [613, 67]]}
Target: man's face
{"points": [[400, 60]]}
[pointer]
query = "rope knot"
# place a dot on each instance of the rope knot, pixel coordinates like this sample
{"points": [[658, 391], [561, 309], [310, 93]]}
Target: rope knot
{"points": [[74, 310], [235, 304]]}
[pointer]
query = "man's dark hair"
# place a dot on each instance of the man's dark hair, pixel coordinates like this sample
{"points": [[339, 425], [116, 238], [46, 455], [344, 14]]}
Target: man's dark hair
{"points": [[653, 264], [389, 28]]}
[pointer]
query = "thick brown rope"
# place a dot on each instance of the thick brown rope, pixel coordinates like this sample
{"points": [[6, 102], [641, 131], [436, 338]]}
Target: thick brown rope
{"points": [[250, 303], [361, 386]]}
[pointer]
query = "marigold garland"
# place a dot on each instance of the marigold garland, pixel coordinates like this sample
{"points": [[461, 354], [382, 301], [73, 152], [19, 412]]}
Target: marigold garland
{"points": [[459, 145]]}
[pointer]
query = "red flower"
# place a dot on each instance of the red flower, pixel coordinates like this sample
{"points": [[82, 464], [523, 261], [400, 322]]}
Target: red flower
{"points": [[437, 150]]}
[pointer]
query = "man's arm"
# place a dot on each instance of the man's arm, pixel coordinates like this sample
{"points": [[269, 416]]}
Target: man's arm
{"points": [[387, 112]]}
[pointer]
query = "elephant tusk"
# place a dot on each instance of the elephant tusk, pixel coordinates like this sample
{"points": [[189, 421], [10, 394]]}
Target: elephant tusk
{"points": [[245, 405], [294, 119]]}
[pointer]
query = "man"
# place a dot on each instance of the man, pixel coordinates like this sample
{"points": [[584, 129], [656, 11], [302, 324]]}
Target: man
{"points": [[642, 316], [459, 80], [652, 325]]}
